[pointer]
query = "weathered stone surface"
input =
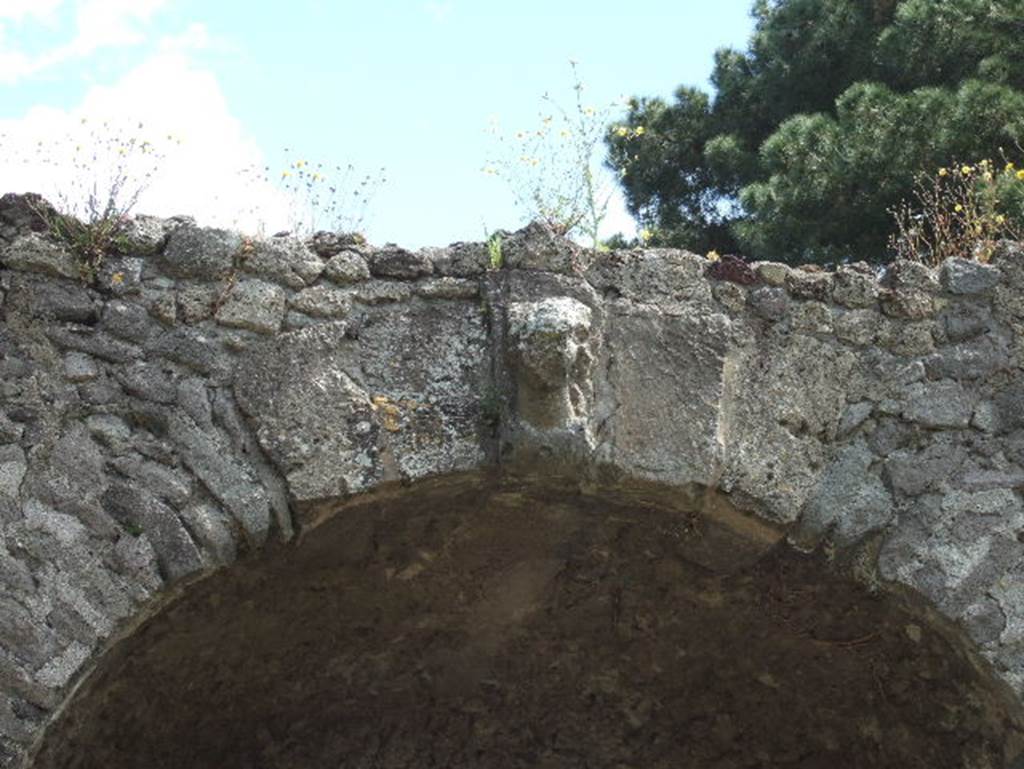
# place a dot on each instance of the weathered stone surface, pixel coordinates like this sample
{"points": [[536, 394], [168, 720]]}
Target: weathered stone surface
{"points": [[142, 513], [194, 349], [394, 262], [537, 247], [552, 360], [850, 499], [652, 276], [448, 288], [880, 416], [858, 327], [205, 254], [907, 303], [62, 301], [13, 465], [347, 267], [10, 432], [382, 292], [79, 367], [808, 285], [127, 321], [1009, 407], [693, 347], [253, 305], [370, 410], [284, 261], [852, 287], [461, 260], [811, 318], [915, 472], [772, 273], [96, 343], [326, 244], [322, 302], [226, 477], [146, 235], [962, 320], [769, 302], [196, 303], [121, 275], [33, 252], [944, 403], [148, 381], [975, 359], [906, 338], [212, 530], [20, 214], [904, 274], [854, 415], [963, 276]]}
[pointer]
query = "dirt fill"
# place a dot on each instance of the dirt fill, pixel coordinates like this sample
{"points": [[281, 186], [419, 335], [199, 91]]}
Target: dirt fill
{"points": [[533, 630]]}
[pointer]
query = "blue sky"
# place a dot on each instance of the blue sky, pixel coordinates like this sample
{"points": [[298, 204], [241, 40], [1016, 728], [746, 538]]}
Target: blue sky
{"points": [[412, 86]]}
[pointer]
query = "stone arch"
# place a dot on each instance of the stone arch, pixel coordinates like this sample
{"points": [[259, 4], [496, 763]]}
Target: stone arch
{"points": [[211, 400], [464, 621]]}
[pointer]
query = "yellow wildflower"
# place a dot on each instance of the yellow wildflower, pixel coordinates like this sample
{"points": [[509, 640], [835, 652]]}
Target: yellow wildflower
{"points": [[1000, 218], [966, 170], [117, 278], [1020, 174], [646, 234], [621, 131], [639, 130], [1009, 167], [958, 208], [943, 171], [713, 256]]}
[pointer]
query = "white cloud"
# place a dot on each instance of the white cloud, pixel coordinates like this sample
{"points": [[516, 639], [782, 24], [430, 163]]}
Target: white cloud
{"points": [[16, 10], [98, 24], [196, 37], [439, 9], [103, 23], [169, 96]]}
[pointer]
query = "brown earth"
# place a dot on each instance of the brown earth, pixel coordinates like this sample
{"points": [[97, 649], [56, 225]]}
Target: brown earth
{"points": [[501, 630]]}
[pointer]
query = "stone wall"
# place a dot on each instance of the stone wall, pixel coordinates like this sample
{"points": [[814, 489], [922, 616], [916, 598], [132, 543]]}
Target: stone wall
{"points": [[209, 397]]}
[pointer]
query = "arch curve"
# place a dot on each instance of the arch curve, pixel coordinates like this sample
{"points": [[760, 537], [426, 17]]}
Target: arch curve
{"points": [[466, 623]]}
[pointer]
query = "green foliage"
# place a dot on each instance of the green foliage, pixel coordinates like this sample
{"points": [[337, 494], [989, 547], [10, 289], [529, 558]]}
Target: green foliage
{"points": [[824, 124], [103, 169], [494, 251], [963, 210], [91, 241]]}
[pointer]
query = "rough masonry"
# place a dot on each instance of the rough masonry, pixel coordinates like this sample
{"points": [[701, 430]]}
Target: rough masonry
{"points": [[208, 398]]}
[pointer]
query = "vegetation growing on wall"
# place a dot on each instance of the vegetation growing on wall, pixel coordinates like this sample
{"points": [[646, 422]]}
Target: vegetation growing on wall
{"points": [[104, 169], [553, 169]]}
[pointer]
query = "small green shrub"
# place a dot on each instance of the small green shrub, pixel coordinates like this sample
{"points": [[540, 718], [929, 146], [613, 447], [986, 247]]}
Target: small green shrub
{"points": [[554, 171], [494, 251], [102, 170]]}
